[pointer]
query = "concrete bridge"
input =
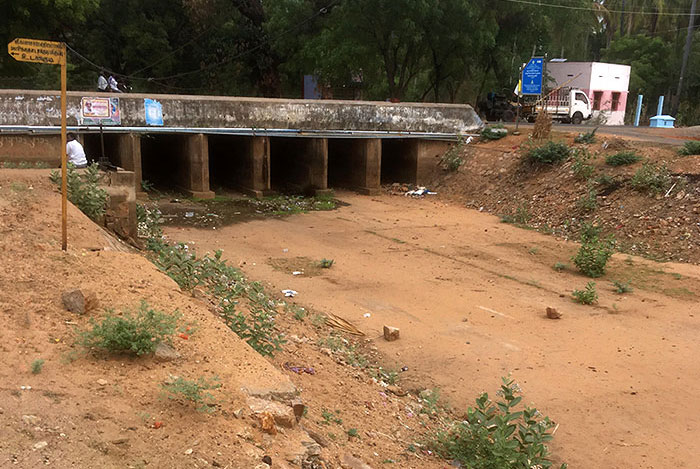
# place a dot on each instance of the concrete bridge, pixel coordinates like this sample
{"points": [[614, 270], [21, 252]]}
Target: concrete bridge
{"points": [[251, 144]]}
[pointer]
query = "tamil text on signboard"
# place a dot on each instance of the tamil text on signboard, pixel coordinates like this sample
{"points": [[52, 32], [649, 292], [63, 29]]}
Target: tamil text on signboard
{"points": [[100, 111], [532, 77], [34, 50]]}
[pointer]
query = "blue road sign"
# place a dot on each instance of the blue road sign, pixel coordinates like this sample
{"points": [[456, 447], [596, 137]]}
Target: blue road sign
{"points": [[532, 76]]}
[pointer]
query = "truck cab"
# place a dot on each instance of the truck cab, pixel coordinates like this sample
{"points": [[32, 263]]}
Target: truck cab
{"points": [[565, 105]]}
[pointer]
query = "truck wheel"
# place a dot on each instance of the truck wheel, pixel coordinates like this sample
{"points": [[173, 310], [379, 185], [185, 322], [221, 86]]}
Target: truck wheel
{"points": [[509, 116], [577, 118]]}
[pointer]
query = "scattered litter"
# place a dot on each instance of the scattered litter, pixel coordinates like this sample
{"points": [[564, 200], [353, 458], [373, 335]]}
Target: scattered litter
{"points": [[404, 368], [188, 451], [420, 192], [340, 323], [289, 293], [367, 315], [296, 272], [157, 425], [285, 250], [25, 388], [189, 214], [299, 369]]}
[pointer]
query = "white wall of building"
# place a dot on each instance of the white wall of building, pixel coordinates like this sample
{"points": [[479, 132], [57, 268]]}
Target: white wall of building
{"points": [[564, 71], [610, 77]]}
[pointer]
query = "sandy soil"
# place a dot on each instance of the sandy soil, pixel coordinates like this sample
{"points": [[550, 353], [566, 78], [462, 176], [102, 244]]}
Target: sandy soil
{"points": [[469, 295]]}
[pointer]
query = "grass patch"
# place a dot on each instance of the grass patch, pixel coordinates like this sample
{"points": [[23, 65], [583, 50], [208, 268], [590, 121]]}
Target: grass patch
{"points": [[494, 132], [560, 267], [295, 204], [521, 215], [622, 287], [622, 158], [588, 137], [452, 159], [137, 333], [588, 202], [581, 167], [587, 296]]}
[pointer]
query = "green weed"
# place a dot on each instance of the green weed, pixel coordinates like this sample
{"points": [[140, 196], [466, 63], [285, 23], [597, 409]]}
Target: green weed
{"points": [[84, 190], [494, 132], [622, 287], [326, 263], [196, 392], [594, 252], [581, 166], [331, 417], [37, 366], [588, 137], [559, 266], [149, 221], [588, 202], [352, 433], [138, 333], [521, 216], [651, 178], [452, 159], [494, 435], [587, 296]]}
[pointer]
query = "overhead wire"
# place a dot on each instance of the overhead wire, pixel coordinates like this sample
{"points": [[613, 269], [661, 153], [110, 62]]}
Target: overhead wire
{"points": [[598, 10]]}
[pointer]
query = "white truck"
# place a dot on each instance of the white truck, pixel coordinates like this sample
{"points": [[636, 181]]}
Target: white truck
{"points": [[563, 104]]}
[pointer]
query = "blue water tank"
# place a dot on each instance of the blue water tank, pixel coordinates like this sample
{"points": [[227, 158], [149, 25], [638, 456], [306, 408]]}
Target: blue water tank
{"points": [[662, 121]]}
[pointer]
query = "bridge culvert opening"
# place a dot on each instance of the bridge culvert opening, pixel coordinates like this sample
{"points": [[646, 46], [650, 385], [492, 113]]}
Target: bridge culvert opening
{"points": [[298, 165], [92, 144], [162, 158], [399, 161], [346, 163], [230, 162]]}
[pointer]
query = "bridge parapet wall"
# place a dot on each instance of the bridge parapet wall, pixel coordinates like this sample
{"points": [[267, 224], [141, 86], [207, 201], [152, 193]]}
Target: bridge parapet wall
{"points": [[42, 108]]}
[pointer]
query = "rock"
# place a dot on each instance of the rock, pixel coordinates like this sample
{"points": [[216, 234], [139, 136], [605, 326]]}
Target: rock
{"points": [[79, 301], [298, 408], [397, 391], [189, 451], [40, 445], [282, 415], [165, 352], [391, 333], [317, 437], [32, 420], [267, 422], [552, 313], [102, 382], [351, 462]]}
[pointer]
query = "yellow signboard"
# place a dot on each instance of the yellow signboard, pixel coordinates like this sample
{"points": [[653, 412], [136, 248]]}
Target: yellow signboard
{"points": [[36, 50]]}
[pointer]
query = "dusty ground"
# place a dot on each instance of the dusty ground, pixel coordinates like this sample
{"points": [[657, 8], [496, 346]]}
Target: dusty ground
{"points": [[469, 295], [93, 410]]}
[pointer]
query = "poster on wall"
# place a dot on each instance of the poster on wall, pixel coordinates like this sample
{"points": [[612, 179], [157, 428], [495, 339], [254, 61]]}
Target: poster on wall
{"points": [[154, 112], [100, 111]]}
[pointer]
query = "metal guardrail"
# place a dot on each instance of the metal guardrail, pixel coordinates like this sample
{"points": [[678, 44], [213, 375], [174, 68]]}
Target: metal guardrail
{"points": [[250, 132]]}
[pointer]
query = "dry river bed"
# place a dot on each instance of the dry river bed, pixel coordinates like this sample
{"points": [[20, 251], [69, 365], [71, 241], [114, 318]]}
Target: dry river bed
{"points": [[469, 296]]}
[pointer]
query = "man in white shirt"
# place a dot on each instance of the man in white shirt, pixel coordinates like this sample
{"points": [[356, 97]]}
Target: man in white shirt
{"points": [[75, 152]]}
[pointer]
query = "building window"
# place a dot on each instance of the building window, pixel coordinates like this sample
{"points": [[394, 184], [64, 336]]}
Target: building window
{"points": [[616, 101], [597, 98]]}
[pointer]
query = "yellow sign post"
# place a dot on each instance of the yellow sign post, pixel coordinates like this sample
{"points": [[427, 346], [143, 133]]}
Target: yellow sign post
{"points": [[51, 53]]}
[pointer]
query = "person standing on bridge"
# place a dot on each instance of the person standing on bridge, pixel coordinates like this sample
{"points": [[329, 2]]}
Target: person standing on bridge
{"points": [[75, 152]]}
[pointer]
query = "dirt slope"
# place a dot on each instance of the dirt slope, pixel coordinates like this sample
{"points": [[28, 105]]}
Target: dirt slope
{"points": [[496, 178], [469, 295], [91, 410]]}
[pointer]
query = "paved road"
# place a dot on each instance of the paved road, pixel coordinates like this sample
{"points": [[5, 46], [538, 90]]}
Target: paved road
{"points": [[663, 136]]}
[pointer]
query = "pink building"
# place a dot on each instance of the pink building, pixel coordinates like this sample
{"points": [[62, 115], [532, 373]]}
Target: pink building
{"points": [[607, 86]]}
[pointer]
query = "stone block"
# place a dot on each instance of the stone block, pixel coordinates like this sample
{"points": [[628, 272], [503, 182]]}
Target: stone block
{"points": [[391, 333]]}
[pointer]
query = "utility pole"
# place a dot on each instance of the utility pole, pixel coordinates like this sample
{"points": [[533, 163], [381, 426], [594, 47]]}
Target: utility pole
{"points": [[686, 54], [622, 20]]}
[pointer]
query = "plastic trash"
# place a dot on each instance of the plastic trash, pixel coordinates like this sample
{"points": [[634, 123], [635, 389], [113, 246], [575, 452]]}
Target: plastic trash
{"points": [[420, 192], [367, 315], [189, 214], [289, 293], [296, 272]]}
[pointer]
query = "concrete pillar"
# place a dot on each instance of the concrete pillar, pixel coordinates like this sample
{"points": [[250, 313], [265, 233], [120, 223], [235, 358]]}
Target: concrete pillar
{"points": [[316, 159], [254, 170], [299, 164], [194, 166], [355, 164], [128, 156]]}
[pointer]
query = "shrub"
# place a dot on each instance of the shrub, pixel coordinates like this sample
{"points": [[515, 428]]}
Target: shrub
{"points": [[452, 159], [622, 158], [651, 178], [559, 267], [84, 190], [594, 253], [37, 366], [586, 296], [149, 221], [581, 168], [690, 148], [496, 436], [326, 263], [588, 137], [605, 181], [495, 132], [193, 391], [549, 153], [138, 333], [521, 216]]}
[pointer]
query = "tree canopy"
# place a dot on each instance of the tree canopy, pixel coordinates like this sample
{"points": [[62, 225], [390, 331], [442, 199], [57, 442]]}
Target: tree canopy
{"points": [[417, 50]]}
